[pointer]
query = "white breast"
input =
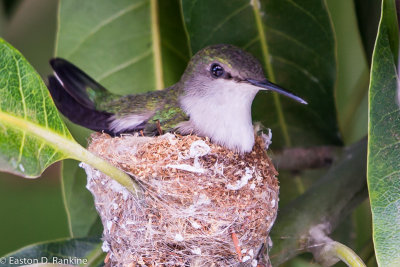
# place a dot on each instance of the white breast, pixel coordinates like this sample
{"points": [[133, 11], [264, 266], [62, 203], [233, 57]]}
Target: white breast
{"points": [[223, 115]]}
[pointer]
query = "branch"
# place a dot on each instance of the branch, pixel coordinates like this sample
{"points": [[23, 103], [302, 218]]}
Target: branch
{"points": [[328, 201], [299, 158]]}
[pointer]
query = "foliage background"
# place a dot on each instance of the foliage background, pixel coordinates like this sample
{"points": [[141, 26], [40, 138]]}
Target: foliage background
{"points": [[30, 26]]}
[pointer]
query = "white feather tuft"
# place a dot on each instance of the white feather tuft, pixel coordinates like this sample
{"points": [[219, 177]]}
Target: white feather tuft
{"points": [[128, 122]]}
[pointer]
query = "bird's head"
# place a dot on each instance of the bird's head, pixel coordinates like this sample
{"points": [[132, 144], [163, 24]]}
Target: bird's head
{"points": [[227, 71]]}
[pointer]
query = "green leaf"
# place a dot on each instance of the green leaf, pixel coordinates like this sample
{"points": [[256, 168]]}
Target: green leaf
{"points": [[298, 53], [32, 133], [79, 251], [82, 216], [384, 140], [368, 13], [353, 72], [83, 219], [328, 202], [102, 42], [25, 110], [113, 34], [120, 43], [174, 44]]}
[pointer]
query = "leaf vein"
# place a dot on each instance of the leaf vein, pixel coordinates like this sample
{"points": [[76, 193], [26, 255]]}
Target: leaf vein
{"points": [[105, 23], [386, 147], [388, 175], [302, 70], [20, 87], [44, 105], [51, 157], [124, 65], [308, 14], [227, 18], [251, 42], [40, 149], [175, 51], [21, 148], [278, 32], [385, 116]]}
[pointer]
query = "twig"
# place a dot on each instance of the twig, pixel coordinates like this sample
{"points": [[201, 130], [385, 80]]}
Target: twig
{"points": [[328, 252], [107, 258], [329, 200], [300, 158], [160, 131], [237, 246]]}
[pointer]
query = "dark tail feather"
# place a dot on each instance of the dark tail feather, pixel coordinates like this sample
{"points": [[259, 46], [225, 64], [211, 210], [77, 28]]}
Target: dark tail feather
{"points": [[77, 112], [76, 82]]}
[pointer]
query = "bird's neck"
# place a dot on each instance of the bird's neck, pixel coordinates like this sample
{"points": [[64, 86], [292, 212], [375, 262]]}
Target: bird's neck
{"points": [[224, 115]]}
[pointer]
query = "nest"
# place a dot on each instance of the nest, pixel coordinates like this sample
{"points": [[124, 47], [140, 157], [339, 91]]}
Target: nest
{"points": [[203, 205]]}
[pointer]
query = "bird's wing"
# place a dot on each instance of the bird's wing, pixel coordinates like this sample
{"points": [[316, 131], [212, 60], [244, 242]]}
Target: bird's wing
{"points": [[84, 89], [154, 108], [76, 112], [87, 103]]}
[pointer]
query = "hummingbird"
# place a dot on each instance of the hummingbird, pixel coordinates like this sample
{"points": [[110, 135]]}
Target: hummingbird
{"points": [[213, 99]]}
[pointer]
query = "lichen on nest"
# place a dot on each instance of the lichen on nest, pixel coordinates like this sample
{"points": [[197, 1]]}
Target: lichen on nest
{"points": [[198, 198]]}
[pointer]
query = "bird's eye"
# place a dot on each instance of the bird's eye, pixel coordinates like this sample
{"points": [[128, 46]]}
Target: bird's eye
{"points": [[216, 70]]}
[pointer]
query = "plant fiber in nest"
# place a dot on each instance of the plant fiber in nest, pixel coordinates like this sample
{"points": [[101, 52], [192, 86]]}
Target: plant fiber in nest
{"points": [[202, 204]]}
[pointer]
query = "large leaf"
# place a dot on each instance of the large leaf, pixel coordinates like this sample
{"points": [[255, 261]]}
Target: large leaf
{"points": [[79, 251], [83, 219], [384, 140], [295, 42], [353, 72], [32, 134], [25, 109], [82, 216], [174, 45], [123, 47], [368, 13]]}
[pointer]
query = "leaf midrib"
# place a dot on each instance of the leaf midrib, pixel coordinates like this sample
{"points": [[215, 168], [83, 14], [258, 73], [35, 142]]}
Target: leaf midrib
{"points": [[21, 147], [155, 33], [103, 24], [47, 135], [270, 70]]}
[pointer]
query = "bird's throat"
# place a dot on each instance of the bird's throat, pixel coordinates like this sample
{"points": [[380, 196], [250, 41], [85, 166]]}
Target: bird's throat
{"points": [[224, 116]]}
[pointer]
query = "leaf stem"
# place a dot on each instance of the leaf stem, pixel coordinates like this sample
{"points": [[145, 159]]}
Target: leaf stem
{"points": [[299, 184], [328, 201], [346, 254], [81, 154], [327, 251], [64, 197], [70, 149]]}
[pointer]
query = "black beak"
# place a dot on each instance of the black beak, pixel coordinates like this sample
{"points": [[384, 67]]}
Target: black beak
{"points": [[266, 85]]}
